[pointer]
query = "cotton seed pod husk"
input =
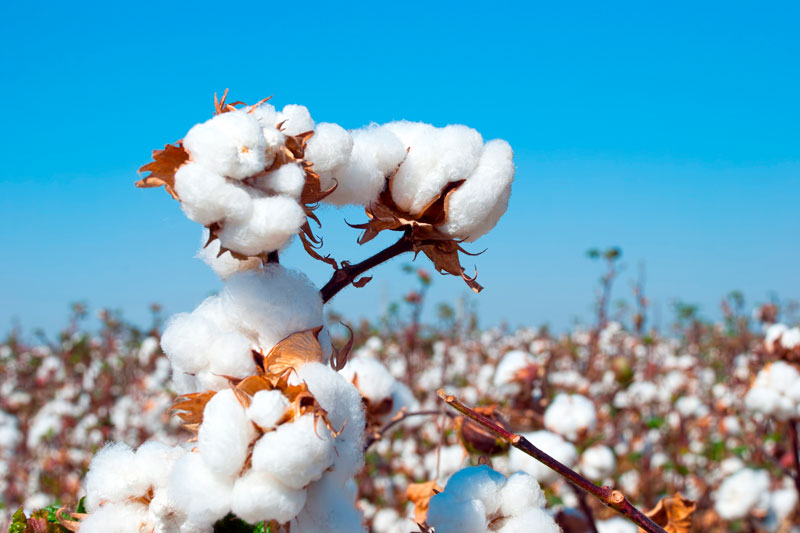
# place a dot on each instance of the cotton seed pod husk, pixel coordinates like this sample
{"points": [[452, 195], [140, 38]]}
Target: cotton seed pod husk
{"points": [[476, 438]]}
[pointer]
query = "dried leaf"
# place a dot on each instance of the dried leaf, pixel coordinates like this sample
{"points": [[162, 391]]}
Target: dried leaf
{"points": [[360, 282], [339, 357], [189, 408], [69, 523], [294, 351], [163, 167], [673, 513], [420, 495]]}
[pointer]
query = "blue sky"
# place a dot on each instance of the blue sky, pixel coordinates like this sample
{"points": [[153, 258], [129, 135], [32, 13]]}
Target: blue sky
{"points": [[670, 130]]}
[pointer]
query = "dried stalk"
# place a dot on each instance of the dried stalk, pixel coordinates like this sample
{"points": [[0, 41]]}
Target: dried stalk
{"points": [[348, 273], [612, 498], [795, 451]]}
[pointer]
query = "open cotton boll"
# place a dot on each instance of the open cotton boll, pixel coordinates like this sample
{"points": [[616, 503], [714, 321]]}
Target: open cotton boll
{"points": [[616, 525], [287, 180], [114, 476], [550, 443], [329, 148], [437, 156], [202, 495], [274, 220], [266, 115], [478, 483], [511, 363], [206, 197], [569, 415], [296, 453], [791, 338], [296, 119], [598, 462], [372, 379], [272, 303], [330, 507], [447, 513], [477, 205], [225, 434], [230, 144], [117, 518], [163, 513], [534, 519], [375, 155], [224, 265], [520, 492], [186, 341], [267, 408], [155, 461], [742, 492], [231, 355], [345, 411], [257, 497]]}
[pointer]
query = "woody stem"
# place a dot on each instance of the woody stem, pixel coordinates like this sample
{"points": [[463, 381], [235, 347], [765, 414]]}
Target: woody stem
{"points": [[348, 273], [612, 498]]}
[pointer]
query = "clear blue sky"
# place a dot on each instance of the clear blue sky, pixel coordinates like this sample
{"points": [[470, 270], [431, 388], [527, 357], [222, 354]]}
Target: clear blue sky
{"points": [[669, 129]]}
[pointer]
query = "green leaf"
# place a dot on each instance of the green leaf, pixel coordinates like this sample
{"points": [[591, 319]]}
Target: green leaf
{"points": [[81, 506], [18, 522]]}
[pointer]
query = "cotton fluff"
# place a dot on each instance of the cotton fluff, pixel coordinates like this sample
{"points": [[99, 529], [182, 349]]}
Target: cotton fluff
{"points": [[296, 453], [257, 496], [230, 144], [377, 385], [570, 415], [206, 197], [476, 496], [477, 205], [329, 149], [616, 525], [511, 363], [598, 462], [225, 435], [775, 391], [287, 180], [114, 476], [773, 333], [296, 119], [267, 408], [550, 443], [225, 265], [203, 496], [741, 493], [791, 338], [273, 221], [330, 507], [117, 518]]}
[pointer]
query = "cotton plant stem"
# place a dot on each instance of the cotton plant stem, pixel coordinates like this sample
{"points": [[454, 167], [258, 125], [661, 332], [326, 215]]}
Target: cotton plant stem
{"points": [[348, 273], [587, 512], [795, 450], [612, 498]]}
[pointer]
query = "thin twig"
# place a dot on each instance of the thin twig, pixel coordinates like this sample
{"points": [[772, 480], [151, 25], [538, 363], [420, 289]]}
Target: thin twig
{"points": [[612, 498], [587, 512], [795, 450], [348, 273]]}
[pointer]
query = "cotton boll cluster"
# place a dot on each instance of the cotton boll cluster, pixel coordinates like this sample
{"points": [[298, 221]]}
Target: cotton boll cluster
{"points": [[255, 310], [479, 499], [598, 462], [776, 391], [385, 396], [741, 493], [570, 415]]}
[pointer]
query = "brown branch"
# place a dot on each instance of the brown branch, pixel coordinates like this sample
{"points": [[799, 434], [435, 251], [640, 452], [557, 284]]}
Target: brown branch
{"points": [[348, 273], [612, 498], [795, 450]]}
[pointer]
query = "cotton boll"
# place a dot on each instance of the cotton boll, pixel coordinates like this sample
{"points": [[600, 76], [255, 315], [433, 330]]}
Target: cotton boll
{"points": [[478, 483], [266, 115], [154, 460], [372, 378], [511, 363], [742, 492], [375, 155], [533, 519], [207, 197], [791, 338], [267, 408], [114, 476], [296, 453], [447, 513], [437, 156], [186, 340], [477, 205], [230, 144], [202, 495], [296, 119], [287, 180], [328, 149], [598, 462], [273, 222], [271, 304], [117, 518], [225, 434], [258, 496], [570, 415], [330, 507], [551, 444], [224, 265], [616, 525], [231, 355], [520, 492]]}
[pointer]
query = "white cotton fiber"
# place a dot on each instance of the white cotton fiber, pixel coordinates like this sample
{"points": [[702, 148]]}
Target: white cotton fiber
{"points": [[224, 265], [186, 341], [616, 525], [437, 156], [266, 115], [328, 150], [274, 220], [520, 492], [162, 511], [260, 497], [230, 144], [154, 460], [534, 519], [345, 410], [742, 492], [231, 355], [207, 197], [296, 453], [117, 518], [570, 415], [511, 363], [375, 155], [477, 205], [449, 514], [267, 408], [270, 304], [287, 180], [549, 443], [791, 338], [598, 462], [330, 507], [372, 379], [225, 434], [478, 483], [296, 119], [202, 495], [114, 476]]}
